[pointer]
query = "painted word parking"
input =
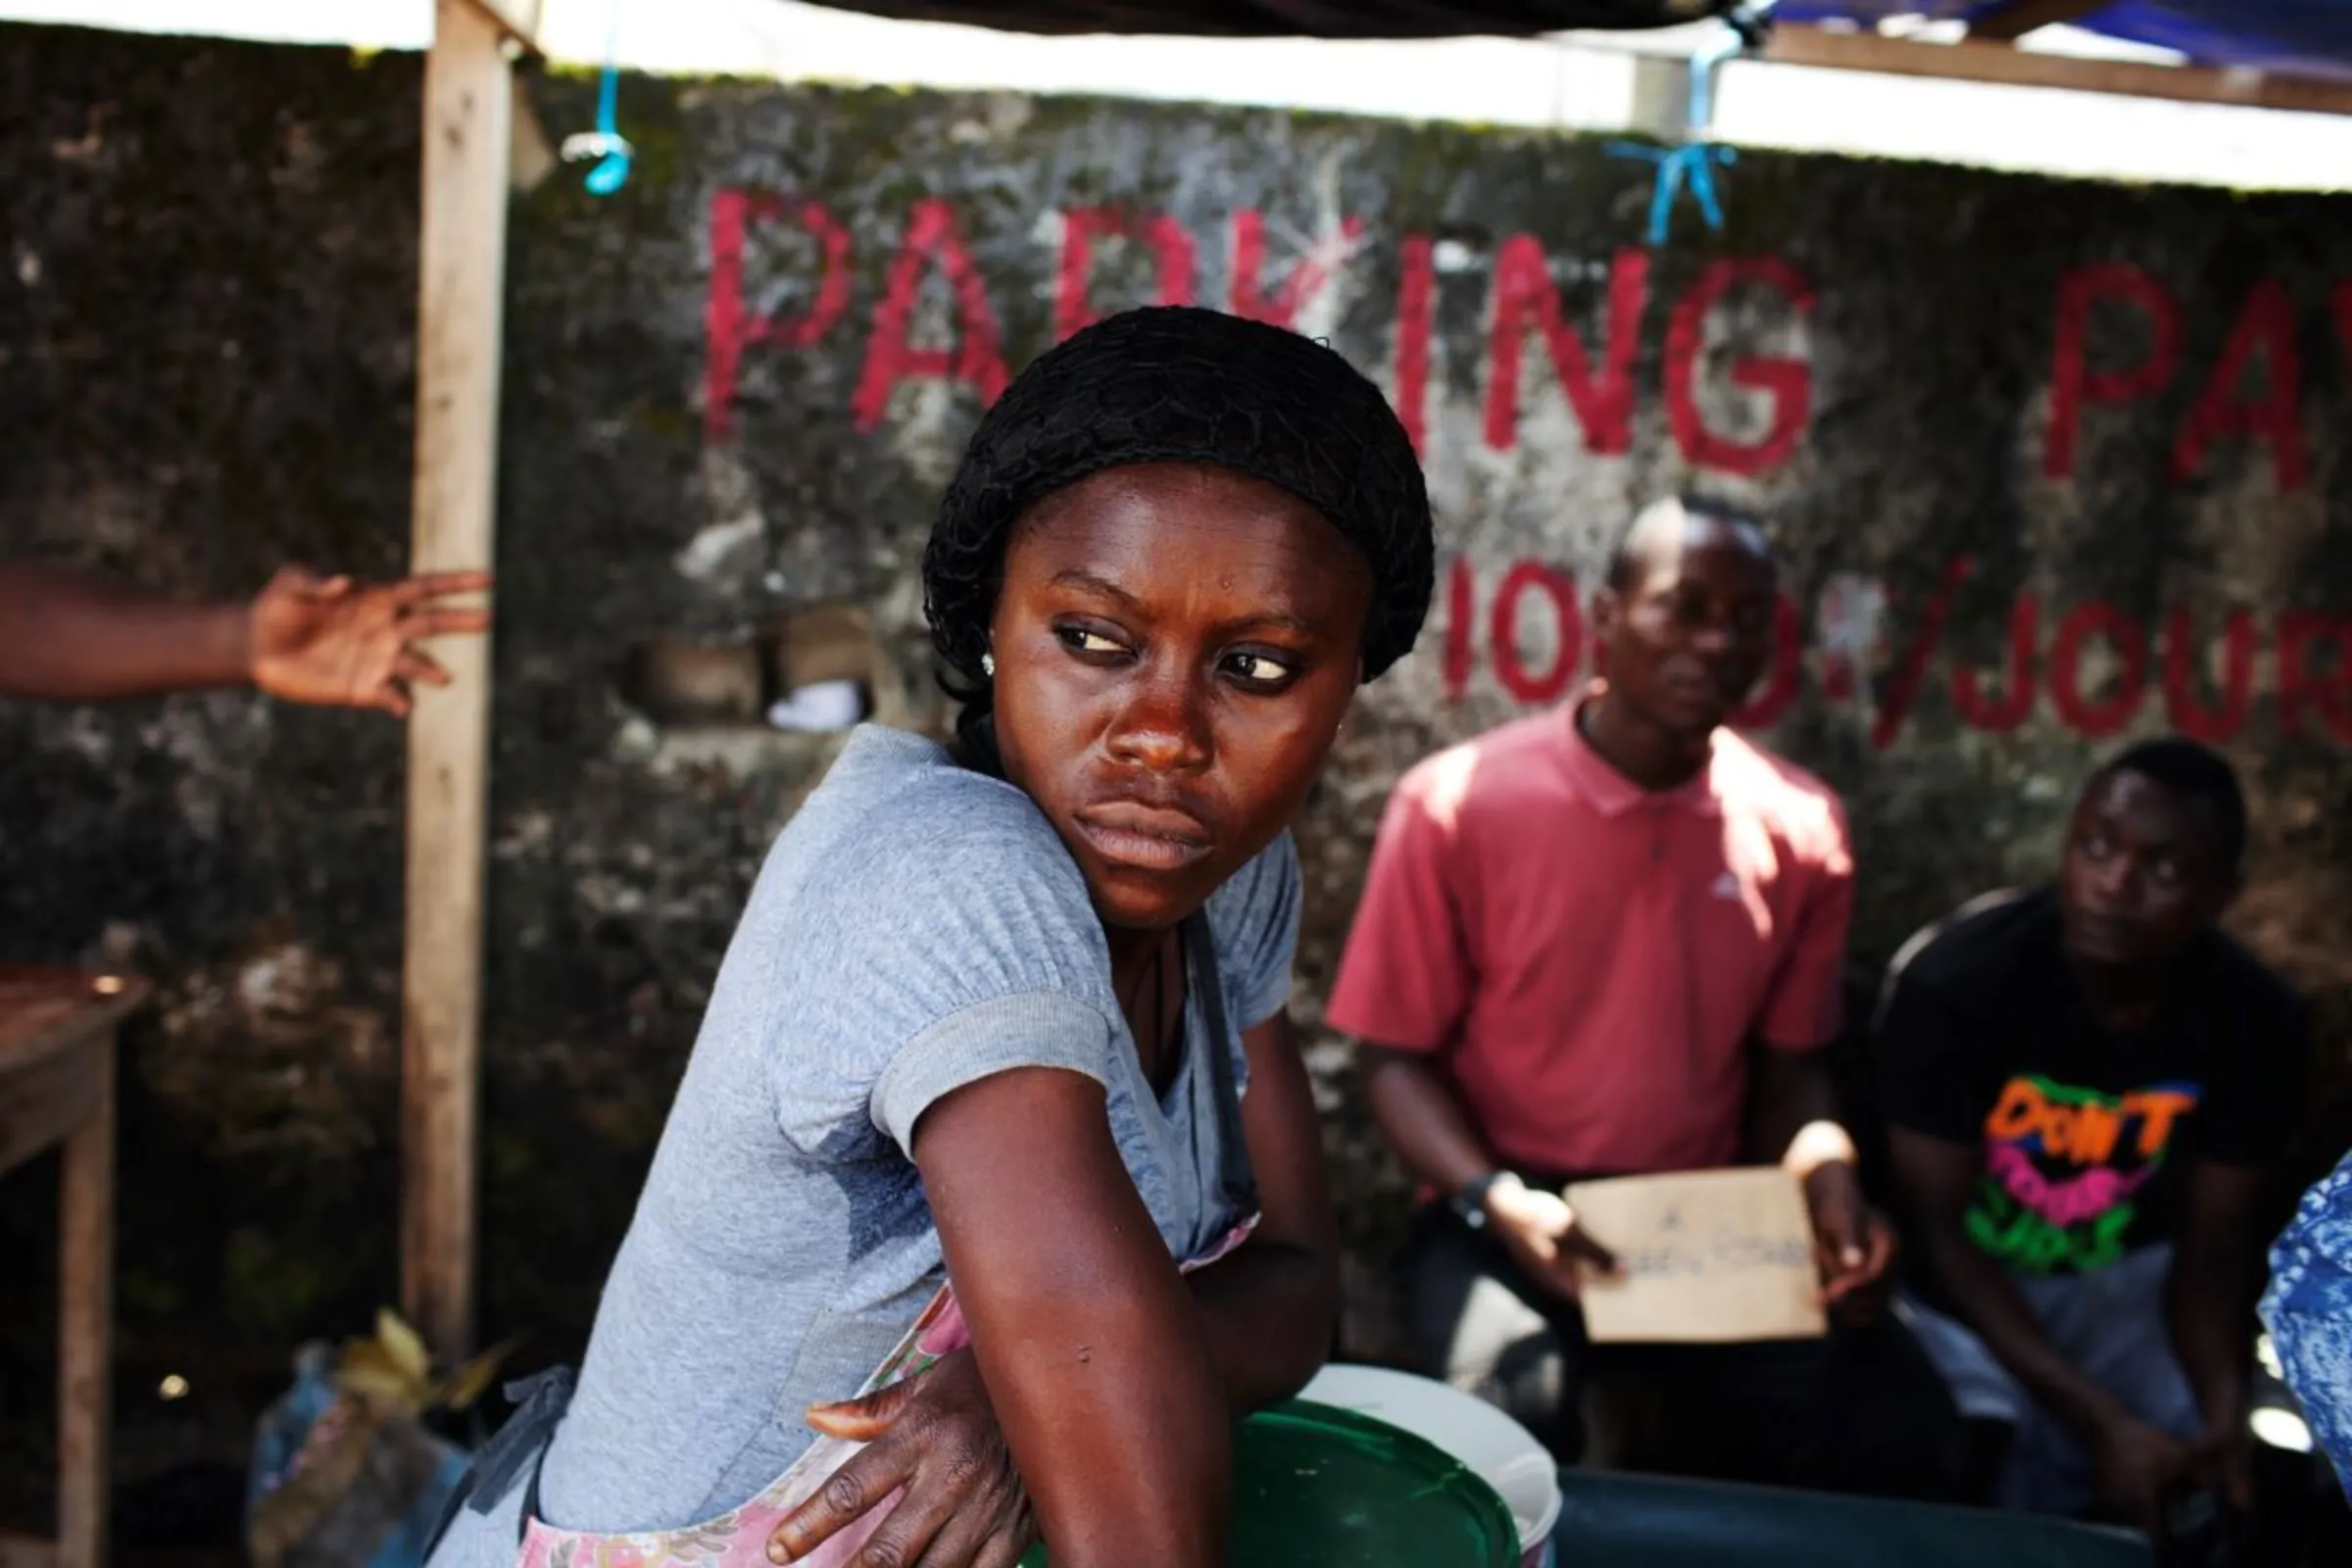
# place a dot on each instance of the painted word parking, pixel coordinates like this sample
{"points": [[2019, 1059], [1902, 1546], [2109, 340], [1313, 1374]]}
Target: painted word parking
{"points": [[1597, 380], [2250, 391], [2094, 667]]}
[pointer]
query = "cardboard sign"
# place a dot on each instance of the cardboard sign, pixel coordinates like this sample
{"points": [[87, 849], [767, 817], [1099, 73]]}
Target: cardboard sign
{"points": [[1710, 1258]]}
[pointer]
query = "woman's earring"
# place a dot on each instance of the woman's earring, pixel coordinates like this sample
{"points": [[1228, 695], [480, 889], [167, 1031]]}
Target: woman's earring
{"points": [[988, 665]]}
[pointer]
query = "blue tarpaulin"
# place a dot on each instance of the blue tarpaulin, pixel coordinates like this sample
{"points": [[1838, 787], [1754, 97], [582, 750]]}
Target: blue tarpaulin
{"points": [[2292, 37]]}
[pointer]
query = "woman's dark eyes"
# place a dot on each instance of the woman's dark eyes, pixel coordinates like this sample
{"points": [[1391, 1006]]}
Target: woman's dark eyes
{"points": [[1259, 669], [1248, 667], [1086, 640]]}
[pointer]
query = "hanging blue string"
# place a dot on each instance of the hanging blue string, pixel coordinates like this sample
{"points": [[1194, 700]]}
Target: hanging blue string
{"points": [[1694, 163], [605, 144], [611, 172]]}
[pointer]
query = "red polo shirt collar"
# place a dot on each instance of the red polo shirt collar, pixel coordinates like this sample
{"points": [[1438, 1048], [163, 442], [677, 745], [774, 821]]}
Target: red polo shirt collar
{"points": [[1611, 793]]}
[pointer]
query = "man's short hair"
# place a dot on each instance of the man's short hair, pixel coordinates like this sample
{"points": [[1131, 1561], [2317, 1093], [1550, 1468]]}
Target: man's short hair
{"points": [[1625, 558], [2195, 771]]}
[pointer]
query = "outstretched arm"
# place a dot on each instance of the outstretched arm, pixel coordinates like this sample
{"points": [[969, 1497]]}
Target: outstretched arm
{"points": [[69, 636]]}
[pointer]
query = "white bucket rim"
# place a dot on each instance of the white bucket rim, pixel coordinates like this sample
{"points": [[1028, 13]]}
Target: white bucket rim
{"points": [[1351, 1386]]}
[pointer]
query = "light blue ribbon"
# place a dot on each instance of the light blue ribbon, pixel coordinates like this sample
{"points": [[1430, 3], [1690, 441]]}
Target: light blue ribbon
{"points": [[1692, 163], [605, 144], [611, 172]]}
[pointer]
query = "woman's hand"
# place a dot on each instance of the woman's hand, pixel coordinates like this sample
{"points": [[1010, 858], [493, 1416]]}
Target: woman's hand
{"points": [[935, 1435]]}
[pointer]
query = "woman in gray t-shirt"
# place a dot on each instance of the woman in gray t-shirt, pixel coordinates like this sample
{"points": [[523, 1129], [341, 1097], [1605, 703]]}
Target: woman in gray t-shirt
{"points": [[989, 1018]]}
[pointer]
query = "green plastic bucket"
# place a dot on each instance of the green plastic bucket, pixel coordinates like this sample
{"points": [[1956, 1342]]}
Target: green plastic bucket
{"points": [[1316, 1486]]}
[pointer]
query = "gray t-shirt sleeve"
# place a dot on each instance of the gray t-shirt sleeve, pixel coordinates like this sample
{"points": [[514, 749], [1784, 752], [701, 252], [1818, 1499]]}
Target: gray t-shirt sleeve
{"points": [[1020, 1029], [951, 940], [1255, 917]]}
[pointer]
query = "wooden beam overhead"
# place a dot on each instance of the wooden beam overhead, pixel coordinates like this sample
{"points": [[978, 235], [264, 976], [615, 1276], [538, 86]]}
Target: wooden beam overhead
{"points": [[1975, 60], [2020, 16]]}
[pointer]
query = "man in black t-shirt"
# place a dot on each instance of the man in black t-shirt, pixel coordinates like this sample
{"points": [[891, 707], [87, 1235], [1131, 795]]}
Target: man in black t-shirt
{"points": [[2086, 1086]]}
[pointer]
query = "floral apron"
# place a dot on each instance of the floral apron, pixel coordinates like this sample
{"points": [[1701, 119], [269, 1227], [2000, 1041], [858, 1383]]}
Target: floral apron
{"points": [[738, 1538]]}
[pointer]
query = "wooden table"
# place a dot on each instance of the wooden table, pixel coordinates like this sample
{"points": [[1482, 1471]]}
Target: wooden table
{"points": [[57, 1086]]}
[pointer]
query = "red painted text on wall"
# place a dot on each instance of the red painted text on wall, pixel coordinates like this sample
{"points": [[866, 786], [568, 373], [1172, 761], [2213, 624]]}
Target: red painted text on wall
{"points": [[1593, 372], [2093, 667]]}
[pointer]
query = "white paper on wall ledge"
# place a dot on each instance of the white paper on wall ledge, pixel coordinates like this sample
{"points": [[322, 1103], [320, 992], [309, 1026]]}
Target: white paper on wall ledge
{"points": [[820, 706], [1710, 1257]]}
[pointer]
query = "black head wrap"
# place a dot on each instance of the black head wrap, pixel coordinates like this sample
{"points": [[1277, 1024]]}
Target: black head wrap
{"points": [[1180, 384]]}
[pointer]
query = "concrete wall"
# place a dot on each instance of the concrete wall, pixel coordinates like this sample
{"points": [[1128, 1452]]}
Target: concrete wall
{"points": [[2051, 465]]}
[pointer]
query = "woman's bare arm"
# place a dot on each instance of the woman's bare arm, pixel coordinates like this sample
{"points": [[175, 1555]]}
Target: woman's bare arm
{"points": [[1095, 1356], [1271, 1308]]}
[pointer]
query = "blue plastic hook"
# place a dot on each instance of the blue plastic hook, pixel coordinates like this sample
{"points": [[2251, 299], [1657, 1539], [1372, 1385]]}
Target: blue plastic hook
{"points": [[605, 144]]}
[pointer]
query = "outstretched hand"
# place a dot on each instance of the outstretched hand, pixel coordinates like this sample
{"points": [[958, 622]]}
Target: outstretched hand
{"points": [[935, 1436], [335, 642]]}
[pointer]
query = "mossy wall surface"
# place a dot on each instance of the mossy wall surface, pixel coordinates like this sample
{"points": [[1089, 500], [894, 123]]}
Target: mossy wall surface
{"points": [[2102, 424]]}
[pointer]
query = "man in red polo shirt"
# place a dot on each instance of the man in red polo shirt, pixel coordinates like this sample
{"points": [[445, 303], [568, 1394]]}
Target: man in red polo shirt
{"points": [[1605, 939]]}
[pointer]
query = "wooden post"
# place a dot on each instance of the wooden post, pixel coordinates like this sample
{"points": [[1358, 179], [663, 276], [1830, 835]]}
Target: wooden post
{"points": [[468, 105], [85, 1319]]}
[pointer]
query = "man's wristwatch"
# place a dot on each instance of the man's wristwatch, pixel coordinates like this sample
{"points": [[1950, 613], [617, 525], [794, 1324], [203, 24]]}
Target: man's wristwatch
{"points": [[1469, 1200]]}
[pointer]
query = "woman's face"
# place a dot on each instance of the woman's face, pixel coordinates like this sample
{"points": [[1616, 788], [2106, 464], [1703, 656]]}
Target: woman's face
{"points": [[1175, 646]]}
